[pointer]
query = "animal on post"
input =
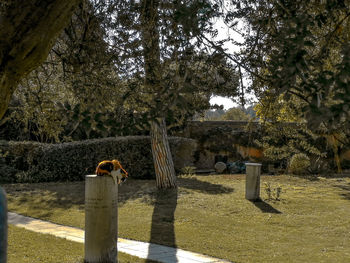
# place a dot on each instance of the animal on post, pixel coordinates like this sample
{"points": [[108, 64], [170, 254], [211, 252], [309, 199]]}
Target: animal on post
{"points": [[112, 168]]}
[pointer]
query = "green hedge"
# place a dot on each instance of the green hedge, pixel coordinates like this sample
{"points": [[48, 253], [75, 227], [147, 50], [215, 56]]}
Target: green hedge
{"points": [[38, 162]]}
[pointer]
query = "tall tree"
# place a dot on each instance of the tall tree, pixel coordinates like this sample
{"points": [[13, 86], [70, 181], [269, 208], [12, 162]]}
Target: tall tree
{"points": [[27, 31], [296, 51], [158, 46], [299, 48], [163, 162]]}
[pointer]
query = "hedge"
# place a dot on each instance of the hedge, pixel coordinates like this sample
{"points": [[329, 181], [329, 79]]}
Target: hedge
{"points": [[39, 162]]}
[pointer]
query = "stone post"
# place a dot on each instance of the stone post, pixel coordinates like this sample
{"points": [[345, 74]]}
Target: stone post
{"points": [[252, 183], [101, 219], [3, 226]]}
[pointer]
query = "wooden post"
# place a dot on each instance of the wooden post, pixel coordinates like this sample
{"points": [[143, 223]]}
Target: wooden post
{"points": [[101, 219], [3, 226], [252, 185]]}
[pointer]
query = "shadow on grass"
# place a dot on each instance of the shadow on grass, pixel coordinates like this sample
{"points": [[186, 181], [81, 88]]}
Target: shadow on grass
{"points": [[39, 197], [265, 207], [311, 178], [163, 218], [208, 188], [42, 198], [346, 191], [50, 196]]}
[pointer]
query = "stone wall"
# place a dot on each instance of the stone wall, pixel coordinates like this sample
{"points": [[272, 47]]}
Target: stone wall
{"points": [[234, 139]]}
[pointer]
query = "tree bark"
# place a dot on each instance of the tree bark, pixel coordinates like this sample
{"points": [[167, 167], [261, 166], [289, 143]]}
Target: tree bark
{"points": [[163, 162], [28, 30]]}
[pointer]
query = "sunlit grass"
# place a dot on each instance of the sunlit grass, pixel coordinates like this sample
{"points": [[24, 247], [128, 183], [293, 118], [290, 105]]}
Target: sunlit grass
{"points": [[209, 215], [28, 247]]}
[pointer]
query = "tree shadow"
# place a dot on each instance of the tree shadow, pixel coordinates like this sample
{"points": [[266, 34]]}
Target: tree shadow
{"points": [[209, 188], [163, 218], [346, 191], [42, 198], [312, 178], [265, 207]]}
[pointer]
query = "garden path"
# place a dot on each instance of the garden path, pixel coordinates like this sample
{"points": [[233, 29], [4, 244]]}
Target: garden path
{"points": [[136, 248]]}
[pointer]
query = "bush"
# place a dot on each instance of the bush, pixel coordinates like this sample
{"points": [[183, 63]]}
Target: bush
{"points": [[299, 164], [38, 162], [319, 166], [188, 170]]}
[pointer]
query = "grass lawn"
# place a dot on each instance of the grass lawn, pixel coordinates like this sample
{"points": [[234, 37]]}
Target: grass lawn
{"points": [[27, 247], [209, 215]]}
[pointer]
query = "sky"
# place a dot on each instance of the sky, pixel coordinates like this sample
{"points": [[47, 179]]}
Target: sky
{"points": [[226, 102], [223, 33]]}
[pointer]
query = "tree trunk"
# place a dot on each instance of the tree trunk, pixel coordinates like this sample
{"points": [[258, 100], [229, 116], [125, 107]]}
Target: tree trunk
{"points": [[335, 145], [28, 30], [163, 162], [162, 159]]}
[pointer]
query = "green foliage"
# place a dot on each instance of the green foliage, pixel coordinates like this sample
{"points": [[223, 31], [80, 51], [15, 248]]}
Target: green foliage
{"points": [[39, 162], [184, 73], [299, 164], [320, 166], [188, 170], [299, 48], [88, 88], [210, 115], [287, 132], [235, 114], [281, 141], [76, 93]]}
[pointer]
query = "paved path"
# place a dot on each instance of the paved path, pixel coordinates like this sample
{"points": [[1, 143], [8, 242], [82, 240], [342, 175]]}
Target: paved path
{"points": [[135, 248]]}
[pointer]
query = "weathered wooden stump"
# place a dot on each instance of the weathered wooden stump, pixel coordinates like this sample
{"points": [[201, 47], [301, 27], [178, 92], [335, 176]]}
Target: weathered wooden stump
{"points": [[101, 219], [252, 185]]}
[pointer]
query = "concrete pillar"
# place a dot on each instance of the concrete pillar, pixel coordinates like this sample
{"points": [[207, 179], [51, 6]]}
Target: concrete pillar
{"points": [[3, 226], [101, 219], [252, 183]]}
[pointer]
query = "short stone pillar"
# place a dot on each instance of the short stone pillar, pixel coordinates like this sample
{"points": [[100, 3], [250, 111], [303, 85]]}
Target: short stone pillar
{"points": [[101, 219], [220, 167], [252, 183], [3, 226]]}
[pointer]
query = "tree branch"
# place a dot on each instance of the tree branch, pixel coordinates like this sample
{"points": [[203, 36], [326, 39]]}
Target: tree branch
{"points": [[28, 30]]}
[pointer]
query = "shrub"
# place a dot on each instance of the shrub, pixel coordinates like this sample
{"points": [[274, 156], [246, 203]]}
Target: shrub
{"points": [[319, 166], [38, 162], [188, 170], [299, 164], [273, 193]]}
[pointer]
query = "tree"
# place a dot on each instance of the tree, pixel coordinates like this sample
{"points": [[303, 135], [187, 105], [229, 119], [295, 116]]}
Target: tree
{"points": [[163, 162], [297, 55], [75, 93], [299, 48], [28, 31], [236, 114], [177, 26], [158, 48]]}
